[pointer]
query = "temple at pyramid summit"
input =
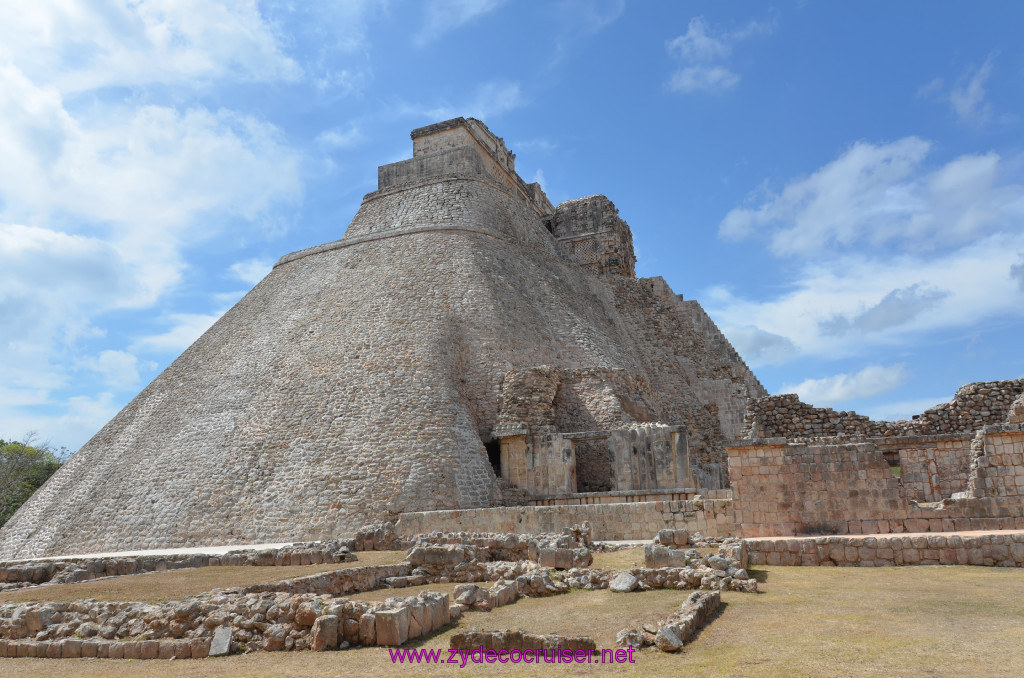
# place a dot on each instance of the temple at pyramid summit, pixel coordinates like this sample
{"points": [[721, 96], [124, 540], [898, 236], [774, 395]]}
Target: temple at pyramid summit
{"points": [[464, 345]]}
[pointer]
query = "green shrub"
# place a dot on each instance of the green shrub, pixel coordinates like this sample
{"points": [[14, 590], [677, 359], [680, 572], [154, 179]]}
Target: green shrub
{"points": [[24, 468]]}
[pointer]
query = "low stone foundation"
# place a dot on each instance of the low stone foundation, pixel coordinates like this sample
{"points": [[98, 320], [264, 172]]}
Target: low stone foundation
{"points": [[614, 521], [992, 550], [619, 497], [672, 633], [74, 570]]}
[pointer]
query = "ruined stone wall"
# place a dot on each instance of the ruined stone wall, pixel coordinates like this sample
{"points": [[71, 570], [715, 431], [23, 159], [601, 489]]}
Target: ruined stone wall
{"points": [[783, 488], [832, 486], [593, 236], [997, 468], [931, 468], [974, 406], [637, 520]]}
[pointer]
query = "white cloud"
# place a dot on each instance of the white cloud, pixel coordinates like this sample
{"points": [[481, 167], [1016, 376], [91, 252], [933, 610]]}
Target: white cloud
{"points": [[118, 369], [339, 137], [100, 197], [968, 97], [830, 391], [186, 328], [698, 43], [1017, 272], [703, 78], [83, 46], [703, 51], [842, 306], [591, 16], [251, 270], [896, 308], [81, 418], [877, 194], [538, 178], [442, 16], [902, 410], [931, 89], [149, 180], [759, 347], [488, 101], [494, 98]]}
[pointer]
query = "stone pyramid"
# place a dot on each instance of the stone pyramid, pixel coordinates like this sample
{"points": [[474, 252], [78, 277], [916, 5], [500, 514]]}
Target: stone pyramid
{"points": [[464, 343]]}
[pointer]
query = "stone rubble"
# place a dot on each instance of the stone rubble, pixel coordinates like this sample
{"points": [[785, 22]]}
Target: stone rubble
{"points": [[671, 633]]}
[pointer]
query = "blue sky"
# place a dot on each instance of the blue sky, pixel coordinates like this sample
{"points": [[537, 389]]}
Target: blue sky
{"points": [[841, 186]]}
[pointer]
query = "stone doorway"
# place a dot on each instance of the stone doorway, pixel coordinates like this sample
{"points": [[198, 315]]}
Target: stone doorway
{"points": [[494, 455]]}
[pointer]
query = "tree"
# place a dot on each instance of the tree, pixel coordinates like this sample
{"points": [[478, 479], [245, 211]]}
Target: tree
{"points": [[24, 467]]}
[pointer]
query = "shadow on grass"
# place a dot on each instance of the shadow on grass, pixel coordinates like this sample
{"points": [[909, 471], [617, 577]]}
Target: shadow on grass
{"points": [[760, 575]]}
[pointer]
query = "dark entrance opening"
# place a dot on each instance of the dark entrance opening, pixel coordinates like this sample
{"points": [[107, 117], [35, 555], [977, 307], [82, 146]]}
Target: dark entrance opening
{"points": [[494, 456], [594, 465]]}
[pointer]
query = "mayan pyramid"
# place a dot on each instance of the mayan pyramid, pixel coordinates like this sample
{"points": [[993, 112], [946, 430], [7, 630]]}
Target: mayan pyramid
{"points": [[464, 342]]}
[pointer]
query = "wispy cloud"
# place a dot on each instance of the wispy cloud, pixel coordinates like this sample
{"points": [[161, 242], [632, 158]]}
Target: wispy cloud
{"points": [[184, 329], [901, 410], [87, 46], [118, 369], [759, 347], [1017, 272], [703, 53], [106, 192], [839, 388], [489, 100], [875, 239], [883, 193], [251, 270], [340, 137], [442, 16], [590, 16], [968, 95], [895, 308]]}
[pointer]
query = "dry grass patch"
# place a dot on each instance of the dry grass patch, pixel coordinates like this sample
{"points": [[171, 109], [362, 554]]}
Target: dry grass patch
{"points": [[909, 621], [175, 584], [619, 560]]}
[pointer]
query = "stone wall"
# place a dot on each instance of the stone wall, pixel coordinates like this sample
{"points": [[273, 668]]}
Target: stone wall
{"points": [[974, 406], [931, 468], [992, 550], [629, 496], [834, 486], [997, 469], [640, 520]]}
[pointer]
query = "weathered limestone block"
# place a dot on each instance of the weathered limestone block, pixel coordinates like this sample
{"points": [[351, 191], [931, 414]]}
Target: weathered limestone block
{"points": [[368, 629], [676, 538], [349, 631], [447, 555], [324, 633], [504, 594], [624, 582], [392, 626], [667, 639], [220, 644], [663, 556]]}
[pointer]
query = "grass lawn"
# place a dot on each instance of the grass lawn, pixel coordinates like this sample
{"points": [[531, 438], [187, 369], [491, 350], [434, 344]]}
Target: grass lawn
{"points": [[173, 585], [895, 621]]}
